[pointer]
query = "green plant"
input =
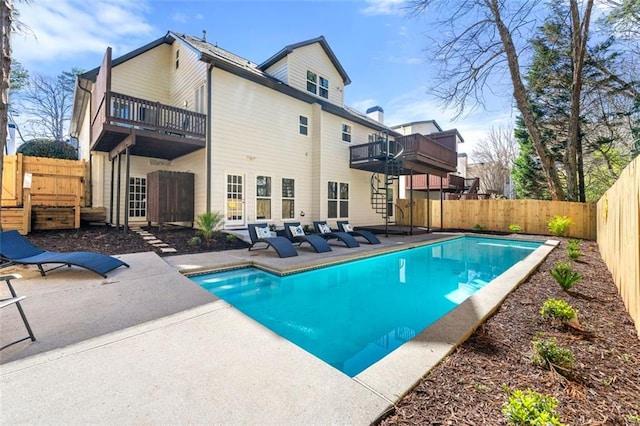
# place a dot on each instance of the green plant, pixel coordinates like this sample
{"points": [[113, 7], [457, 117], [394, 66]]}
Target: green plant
{"points": [[49, 148], [548, 354], [194, 241], [272, 227], [573, 244], [208, 223], [479, 227], [557, 309], [231, 237], [530, 408], [565, 275], [559, 225], [515, 228], [573, 254]]}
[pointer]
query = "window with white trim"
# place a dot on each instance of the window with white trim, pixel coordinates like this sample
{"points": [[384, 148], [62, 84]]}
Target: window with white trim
{"points": [[317, 85], [288, 198], [137, 207], [346, 133], [263, 197], [337, 200], [303, 125]]}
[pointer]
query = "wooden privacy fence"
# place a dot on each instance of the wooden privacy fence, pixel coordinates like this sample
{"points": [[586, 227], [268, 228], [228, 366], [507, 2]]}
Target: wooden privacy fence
{"points": [[53, 191], [618, 219], [496, 215]]}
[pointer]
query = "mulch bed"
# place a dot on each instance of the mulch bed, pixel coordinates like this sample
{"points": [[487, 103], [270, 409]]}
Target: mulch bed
{"points": [[466, 388]]}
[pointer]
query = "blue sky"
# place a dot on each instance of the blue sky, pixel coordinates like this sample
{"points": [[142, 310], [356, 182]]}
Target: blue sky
{"points": [[379, 45]]}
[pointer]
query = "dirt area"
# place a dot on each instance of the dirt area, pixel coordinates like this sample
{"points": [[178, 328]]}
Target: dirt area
{"points": [[467, 388]]}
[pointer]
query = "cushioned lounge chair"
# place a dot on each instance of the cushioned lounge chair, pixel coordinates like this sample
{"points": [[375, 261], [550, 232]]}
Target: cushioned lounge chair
{"points": [[16, 249], [327, 233], [296, 235], [281, 245], [344, 226]]}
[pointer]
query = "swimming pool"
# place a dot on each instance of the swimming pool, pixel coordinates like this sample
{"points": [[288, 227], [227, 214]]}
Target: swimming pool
{"points": [[353, 314]]}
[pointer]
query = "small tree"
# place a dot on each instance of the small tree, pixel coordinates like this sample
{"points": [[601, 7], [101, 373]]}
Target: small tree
{"points": [[48, 148]]}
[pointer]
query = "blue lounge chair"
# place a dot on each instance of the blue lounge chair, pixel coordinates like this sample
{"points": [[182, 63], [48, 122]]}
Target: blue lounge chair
{"points": [[281, 245], [344, 226], [327, 233], [16, 249], [296, 235]]}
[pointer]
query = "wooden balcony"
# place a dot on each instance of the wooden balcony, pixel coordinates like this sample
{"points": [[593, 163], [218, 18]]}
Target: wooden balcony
{"points": [[148, 129], [450, 183], [418, 155]]}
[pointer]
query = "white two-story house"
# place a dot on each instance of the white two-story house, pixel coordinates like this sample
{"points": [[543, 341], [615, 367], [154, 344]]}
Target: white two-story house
{"points": [[268, 142]]}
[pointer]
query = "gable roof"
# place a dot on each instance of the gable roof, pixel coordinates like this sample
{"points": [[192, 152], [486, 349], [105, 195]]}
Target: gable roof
{"points": [[325, 46]]}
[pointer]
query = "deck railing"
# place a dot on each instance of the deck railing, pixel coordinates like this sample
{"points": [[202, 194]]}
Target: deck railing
{"points": [[124, 110], [423, 146]]}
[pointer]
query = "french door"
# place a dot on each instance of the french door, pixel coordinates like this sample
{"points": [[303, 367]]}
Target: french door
{"points": [[235, 201]]}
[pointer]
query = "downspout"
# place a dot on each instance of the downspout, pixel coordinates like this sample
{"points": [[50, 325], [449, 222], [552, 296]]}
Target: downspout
{"points": [[208, 142], [90, 141]]}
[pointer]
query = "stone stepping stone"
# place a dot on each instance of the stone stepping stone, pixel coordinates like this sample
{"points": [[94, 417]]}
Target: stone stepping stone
{"points": [[154, 241], [168, 250]]}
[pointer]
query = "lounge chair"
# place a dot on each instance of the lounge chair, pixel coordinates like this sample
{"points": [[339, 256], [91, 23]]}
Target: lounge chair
{"points": [[258, 235], [344, 226], [296, 235], [15, 300], [327, 233], [16, 249]]}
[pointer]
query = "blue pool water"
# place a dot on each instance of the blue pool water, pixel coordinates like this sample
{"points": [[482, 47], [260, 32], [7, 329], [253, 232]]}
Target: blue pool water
{"points": [[353, 314]]}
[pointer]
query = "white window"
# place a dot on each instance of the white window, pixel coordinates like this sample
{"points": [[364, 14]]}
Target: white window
{"points": [[177, 58], [304, 125], [263, 197], [137, 197], [346, 133], [288, 198], [313, 80], [199, 100], [338, 200]]}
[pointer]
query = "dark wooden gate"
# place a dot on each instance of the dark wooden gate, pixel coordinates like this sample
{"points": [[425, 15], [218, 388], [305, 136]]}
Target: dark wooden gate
{"points": [[170, 197]]}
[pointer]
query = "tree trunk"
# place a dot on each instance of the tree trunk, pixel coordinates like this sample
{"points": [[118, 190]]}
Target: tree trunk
{"points": [[522, 101], [5, 70]]}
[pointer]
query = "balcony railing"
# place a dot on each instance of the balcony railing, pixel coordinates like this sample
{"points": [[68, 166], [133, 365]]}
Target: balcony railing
{"points": [[128, 111], [427, 150], [374, 151]]}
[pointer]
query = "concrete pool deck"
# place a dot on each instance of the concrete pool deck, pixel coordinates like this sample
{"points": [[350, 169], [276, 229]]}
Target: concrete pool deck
{"points": [[147, 345]]}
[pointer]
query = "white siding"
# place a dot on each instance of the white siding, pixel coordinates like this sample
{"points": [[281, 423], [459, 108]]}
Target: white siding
{"points": [[146, 76], [279, 70], [313, 58], [191, 74]]}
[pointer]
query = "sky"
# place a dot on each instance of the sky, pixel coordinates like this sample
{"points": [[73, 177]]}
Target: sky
{"points": [[381, 47]]}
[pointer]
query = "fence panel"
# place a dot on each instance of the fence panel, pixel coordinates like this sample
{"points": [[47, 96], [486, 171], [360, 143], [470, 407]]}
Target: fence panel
{"points": [[11, 180], [497, 215], [618, 222]]}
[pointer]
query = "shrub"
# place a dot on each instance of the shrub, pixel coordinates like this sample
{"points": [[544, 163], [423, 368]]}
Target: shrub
{"points": [[194, 241], [548, 354], [231, 237], [573, 244], [559, 225], [573, 254], [48, 148], [565, 275], [530, 408], [515, 228], [478, 227], [557, 309], [208, 223]]}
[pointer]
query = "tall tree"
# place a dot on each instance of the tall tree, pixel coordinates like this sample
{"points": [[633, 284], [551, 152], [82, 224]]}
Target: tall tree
{"points": [[480, 38], [496, 153], [528, 176], [47, 101]]}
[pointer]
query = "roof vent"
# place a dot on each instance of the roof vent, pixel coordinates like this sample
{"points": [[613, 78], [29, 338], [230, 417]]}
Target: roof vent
{"points": [[204, 35]]}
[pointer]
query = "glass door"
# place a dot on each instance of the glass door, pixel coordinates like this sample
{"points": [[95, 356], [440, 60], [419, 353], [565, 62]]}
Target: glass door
{"points": [[235, 200]]}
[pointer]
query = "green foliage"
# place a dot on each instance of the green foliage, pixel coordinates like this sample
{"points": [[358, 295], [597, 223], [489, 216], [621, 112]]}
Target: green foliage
{"points": [[195, 241], [272, 227], [528, 175], [231, 237], [573, 253], [515, 228], [573, 244], [526, 408], [559, 225], [548, 354], [208, 223], [565, 275], [48, 148], [557, 309], [478, 227]]}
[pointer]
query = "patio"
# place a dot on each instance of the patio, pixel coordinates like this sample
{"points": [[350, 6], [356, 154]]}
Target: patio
{"points": [[148, 345]]}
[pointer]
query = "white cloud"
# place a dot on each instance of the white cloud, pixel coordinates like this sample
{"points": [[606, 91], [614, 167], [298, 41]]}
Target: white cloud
{"points": [[61, 30], [384, 7]]}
